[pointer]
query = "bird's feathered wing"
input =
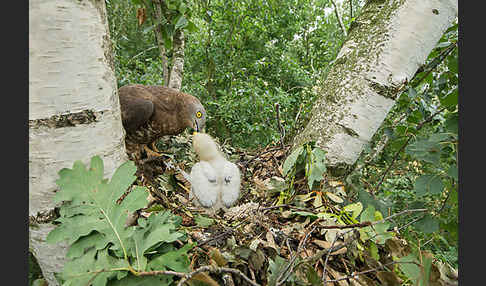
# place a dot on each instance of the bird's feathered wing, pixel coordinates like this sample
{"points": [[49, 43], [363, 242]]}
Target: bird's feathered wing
{"points": [[135, 111], [204, 185], [230, 189]]}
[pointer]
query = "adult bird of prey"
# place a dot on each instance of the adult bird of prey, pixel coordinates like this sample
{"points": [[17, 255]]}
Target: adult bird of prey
{"points": [[215, 181], [151, 111]]}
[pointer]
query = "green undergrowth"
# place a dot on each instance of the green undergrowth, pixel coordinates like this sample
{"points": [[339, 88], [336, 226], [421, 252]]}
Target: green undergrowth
{"points": [[102, 249]]}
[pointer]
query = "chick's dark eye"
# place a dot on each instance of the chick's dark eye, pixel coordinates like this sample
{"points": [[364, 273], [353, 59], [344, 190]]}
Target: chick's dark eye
{"points": [[199, 114]]}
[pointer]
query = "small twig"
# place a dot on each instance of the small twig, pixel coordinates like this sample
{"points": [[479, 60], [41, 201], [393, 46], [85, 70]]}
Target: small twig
{"points": [[351, 9], [397, 214], [226, 232], [435, 62], [281, 129], [217, 270], [162, 272], [298, 112], [356, 274], [260, 154], [395, 157], [329, 254], [290, 207], [289, 268], [411, 222], [146, 50], [355, 225], [445, 200]]}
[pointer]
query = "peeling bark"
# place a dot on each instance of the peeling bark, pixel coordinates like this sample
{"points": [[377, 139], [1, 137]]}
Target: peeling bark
{"points": [[74, 111], [386, 45], [175, 80]]}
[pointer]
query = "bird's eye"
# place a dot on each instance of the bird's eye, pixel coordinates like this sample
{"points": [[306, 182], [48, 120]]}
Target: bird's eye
{"points": [[199, 114]]}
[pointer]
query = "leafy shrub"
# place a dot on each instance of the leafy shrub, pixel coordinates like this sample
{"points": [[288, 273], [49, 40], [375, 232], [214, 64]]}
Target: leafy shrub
{"points": [[102, 250]]}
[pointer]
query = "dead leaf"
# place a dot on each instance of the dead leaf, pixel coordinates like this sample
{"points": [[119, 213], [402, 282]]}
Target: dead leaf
{"points": [[362, 280], [260, 184], [216, 255], [141, 16], [334, 197], [326, 245], [397, 247], [388, 278], [448, 275], [271, 242], [254, 244], [337, 275]]}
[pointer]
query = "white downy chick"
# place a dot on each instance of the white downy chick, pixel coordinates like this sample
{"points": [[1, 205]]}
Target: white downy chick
{"points": [[215, 182]]}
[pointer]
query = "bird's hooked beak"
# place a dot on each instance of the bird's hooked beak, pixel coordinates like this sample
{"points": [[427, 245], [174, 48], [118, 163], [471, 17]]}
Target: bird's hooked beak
{"points": [[196, 127]]}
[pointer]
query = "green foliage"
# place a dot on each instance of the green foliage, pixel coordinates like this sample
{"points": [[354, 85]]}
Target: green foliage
{"points": [[241, 57], [102, 250], [238, 59], [35, 273], [378, 233], [275, 268], [308, 158]]}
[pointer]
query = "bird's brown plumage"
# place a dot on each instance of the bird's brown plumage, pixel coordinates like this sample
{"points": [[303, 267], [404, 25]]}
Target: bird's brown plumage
{"points": [[151, 111]]}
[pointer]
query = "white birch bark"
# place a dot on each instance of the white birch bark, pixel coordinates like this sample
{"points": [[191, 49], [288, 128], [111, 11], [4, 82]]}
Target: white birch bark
{"points": [[176, 72], [385, 46], [74, 111]]}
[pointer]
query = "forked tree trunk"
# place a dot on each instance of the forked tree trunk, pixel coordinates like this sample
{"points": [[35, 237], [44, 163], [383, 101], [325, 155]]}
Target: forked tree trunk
{"points": [[175, 80], [74, 112], [385, 46]]}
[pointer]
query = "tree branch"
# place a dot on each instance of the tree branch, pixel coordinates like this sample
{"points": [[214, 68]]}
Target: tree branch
{"points": [[351, 9], [340, 21], [395, 157]]}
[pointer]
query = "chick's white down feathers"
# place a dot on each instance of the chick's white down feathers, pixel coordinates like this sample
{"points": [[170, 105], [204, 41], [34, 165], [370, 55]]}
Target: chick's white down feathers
{"points": [[215, 182]]}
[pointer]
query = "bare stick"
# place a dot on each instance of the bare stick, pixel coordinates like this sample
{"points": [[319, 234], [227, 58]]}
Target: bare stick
{"points": [[282, 130], [289, 268]]}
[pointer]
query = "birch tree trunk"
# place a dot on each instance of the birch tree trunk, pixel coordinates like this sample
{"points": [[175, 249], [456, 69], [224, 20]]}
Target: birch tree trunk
{"points": [[385, 46], [74, 112], [175, 80]]}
